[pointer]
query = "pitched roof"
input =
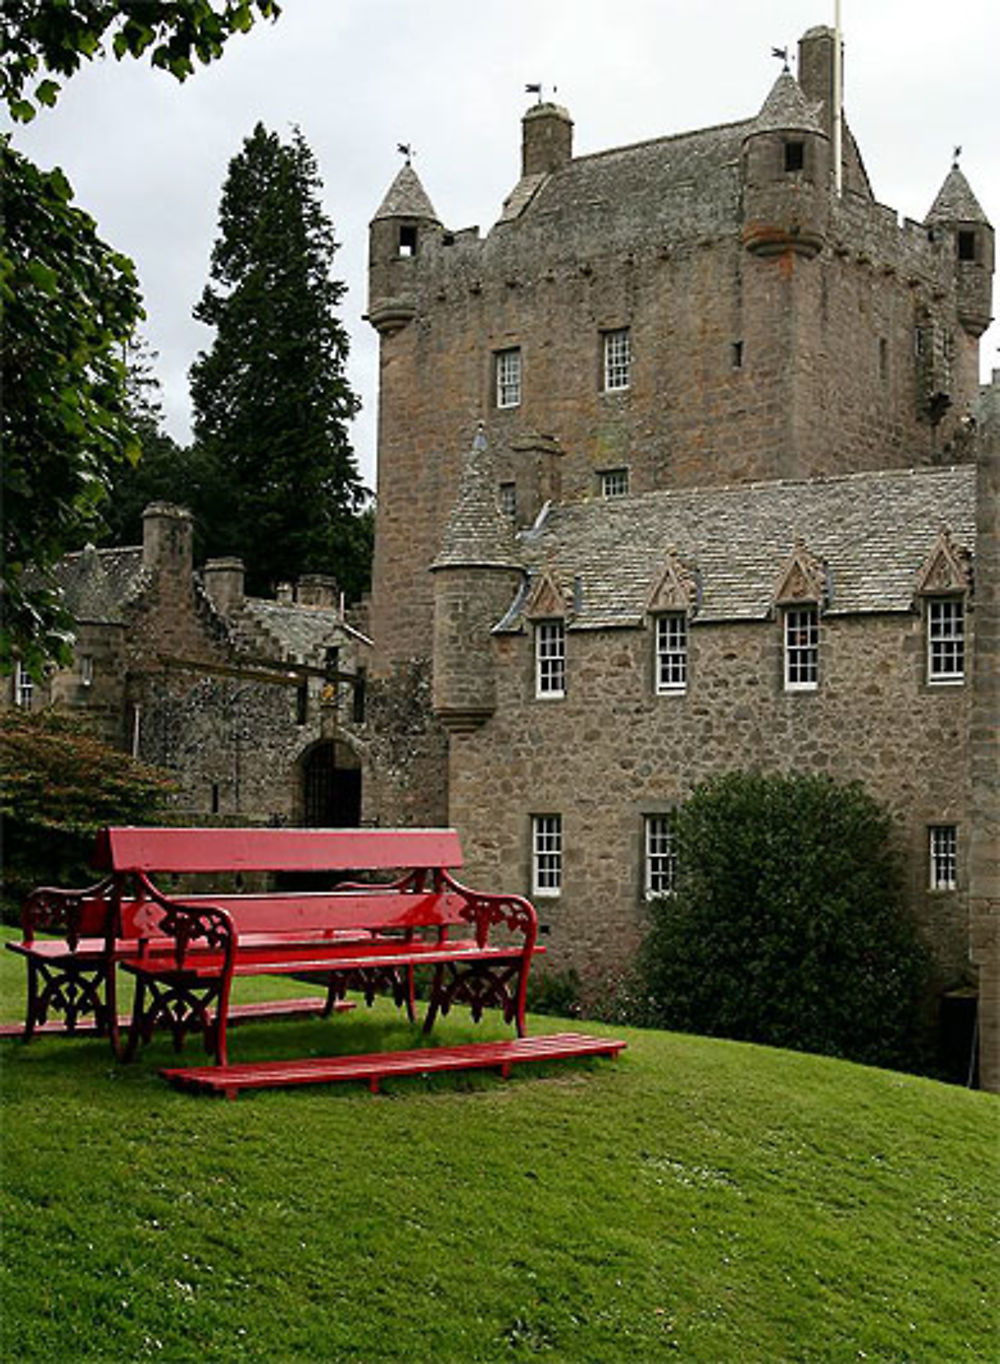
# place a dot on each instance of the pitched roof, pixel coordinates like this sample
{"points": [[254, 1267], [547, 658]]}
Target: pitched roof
{"points": [[671, 186], [406, 198], [955, 201], [872, 530], [97, 583], [477, 532], [299, 633], [786, 109]]}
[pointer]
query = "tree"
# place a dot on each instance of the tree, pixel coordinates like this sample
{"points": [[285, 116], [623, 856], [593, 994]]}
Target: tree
{"points": [[163, 471], [61, 785], [787, 926], [271, 400], [45, 37], [69, 303]]}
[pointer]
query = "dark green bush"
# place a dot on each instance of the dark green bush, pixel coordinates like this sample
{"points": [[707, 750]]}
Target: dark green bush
{"points": [[60, 785], [554, 992], [787, 926]]}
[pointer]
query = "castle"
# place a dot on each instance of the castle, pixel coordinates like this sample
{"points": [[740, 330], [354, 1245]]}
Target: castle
{"points": [[683, 468], [245, 701]]}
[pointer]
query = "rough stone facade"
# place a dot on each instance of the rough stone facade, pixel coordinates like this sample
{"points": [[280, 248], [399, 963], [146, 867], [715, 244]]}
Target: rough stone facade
{"points": [[248, 703], [790, 437]]}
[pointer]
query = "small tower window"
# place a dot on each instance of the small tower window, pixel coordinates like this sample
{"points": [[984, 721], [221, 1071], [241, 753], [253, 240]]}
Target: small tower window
{"points": [[795, 156], [966, 246], [508, 499], [407, 240], [737, 354], [883, 358]]}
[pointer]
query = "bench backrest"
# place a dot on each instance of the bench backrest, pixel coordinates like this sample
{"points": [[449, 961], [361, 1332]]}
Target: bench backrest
{"points": [[316, 916], [133, 850]]}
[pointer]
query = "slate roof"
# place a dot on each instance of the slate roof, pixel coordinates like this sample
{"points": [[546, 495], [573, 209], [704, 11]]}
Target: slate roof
{"points": [[299, 633], [477, 532], [955, 202], [874, 531], [406, 198], [689, 182], [98, 583], [786, 109]]}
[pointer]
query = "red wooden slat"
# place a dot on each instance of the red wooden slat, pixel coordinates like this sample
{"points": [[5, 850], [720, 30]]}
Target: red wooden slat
{"points": [[258, 850], [300, 912], [378, 1065]]}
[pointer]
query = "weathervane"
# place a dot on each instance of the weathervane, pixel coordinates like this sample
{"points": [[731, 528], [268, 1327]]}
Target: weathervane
{"points": [[782, 54], [954, 159], [406, 149]]}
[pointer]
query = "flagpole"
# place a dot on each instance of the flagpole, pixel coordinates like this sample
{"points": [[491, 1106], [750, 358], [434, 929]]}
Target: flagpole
{"points": [[838, 102]]}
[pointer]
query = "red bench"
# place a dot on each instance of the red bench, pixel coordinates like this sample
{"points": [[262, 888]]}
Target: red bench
{"points": [[185, 950]]}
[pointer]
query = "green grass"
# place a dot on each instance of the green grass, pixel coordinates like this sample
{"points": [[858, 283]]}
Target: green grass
{"points": [[695, 1199]]}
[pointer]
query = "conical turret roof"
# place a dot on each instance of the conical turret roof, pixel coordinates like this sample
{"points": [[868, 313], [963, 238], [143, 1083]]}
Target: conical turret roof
{"points": [[407, 198], [955, 202], [786, 109], [477, 534]]}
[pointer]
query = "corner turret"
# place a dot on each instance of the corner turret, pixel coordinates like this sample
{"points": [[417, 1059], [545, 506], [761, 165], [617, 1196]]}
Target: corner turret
{"points": [[476, 575], [396, 237], [786, 175], [956, 215]]}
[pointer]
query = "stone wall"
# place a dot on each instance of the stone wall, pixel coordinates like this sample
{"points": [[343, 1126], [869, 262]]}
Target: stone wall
{"points": [[611, 752]]}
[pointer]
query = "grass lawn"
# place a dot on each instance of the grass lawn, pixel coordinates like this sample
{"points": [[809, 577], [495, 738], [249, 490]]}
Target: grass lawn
{"points": [[694, 1200]]}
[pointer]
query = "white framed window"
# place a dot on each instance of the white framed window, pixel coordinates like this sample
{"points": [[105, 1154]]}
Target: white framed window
{"points": [[24, 688], [671, 668], [550, 658], [507, 499], [945, 640], [943, 857], [614, 483], [508, 377], [617, 359], [660, 861], [801, 648], [546, 854]]}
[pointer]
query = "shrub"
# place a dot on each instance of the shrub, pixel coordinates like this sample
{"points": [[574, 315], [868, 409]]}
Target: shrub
{"points": [[554, 992], [60, 785], [787, 926]]}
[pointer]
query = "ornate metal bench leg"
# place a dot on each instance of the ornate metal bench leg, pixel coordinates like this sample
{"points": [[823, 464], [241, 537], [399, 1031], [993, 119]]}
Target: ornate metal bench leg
{"points": [[432, 1009], [136, 1026], [31, 1012]]}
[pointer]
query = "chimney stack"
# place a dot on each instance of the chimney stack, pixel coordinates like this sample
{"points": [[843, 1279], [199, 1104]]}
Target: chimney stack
{"points": [[224, 584]]}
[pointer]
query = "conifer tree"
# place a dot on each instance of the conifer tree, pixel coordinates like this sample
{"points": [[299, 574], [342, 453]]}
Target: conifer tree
{"points": [[271, 399]]}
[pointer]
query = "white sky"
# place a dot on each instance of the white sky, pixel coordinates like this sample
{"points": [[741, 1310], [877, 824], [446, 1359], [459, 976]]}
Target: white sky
{"points": [[148, 157]]}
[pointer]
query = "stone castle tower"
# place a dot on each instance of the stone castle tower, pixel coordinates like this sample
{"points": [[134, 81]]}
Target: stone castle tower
{"points": [[675, 477], [773, 329]]}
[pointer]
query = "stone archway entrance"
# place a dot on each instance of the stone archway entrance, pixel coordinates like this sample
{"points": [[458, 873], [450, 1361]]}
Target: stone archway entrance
{"points": [[331, 787]]}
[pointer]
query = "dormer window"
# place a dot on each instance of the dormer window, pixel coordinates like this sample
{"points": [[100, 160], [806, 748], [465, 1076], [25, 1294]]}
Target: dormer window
{"points": [[966, 245], [795, 156], [408, 240]]}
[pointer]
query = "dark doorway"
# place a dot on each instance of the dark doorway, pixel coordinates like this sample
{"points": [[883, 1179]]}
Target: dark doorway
{"points": [[332, 789]]}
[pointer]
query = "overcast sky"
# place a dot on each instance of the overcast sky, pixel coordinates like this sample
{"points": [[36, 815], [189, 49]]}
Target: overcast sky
{"points": [[148, 157]]}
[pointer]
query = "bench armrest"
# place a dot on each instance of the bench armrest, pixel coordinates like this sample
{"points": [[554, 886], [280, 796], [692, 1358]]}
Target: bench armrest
{"points": [[207, 927], [49, 909], [485, 910]]}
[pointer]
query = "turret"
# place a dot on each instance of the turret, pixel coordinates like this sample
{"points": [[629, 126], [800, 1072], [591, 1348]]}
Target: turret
{"points": [[396, 237], [956, 217], [476, 576], [786, 175]]}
